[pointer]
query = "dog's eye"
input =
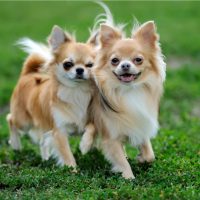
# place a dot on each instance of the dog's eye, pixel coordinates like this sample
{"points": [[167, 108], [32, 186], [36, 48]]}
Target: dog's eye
{"points": [[89, 65], [68, 64], [115, 61], [138, 60]]}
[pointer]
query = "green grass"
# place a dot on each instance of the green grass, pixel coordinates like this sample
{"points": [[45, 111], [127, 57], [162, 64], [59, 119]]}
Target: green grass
{"points": [[174, 175]]}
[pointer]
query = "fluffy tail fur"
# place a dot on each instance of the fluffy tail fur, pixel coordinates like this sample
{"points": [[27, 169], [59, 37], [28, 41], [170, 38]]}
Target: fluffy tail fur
{"points": [[106, 18], [32, 64], [39, 55]]}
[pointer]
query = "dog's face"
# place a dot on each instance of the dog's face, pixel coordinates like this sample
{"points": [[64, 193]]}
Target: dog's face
{"points": [[131, 60], [73, 60], [127, 61]]}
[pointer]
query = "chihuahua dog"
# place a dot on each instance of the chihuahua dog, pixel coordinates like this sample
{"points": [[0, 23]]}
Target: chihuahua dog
{"points": [[55, 102], [129, 75]]}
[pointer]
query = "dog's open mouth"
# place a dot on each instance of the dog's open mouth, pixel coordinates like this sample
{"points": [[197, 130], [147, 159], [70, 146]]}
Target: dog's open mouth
{"points": [[128, 77]]}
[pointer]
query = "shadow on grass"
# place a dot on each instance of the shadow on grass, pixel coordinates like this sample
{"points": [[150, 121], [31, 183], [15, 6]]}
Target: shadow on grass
{"points": [[94, 162], [91, 165]]}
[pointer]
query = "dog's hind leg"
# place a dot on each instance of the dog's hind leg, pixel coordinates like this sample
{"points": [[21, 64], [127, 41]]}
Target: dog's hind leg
{"points": [[14, 140]]}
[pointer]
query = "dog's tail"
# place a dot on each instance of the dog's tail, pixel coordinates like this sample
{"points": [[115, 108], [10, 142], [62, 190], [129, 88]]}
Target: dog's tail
{"points": [[39, 55], [33, 64], [106, 18]]}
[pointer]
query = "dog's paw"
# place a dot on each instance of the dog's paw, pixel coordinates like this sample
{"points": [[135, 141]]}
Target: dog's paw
{"points": [[45, 154], [15, 144], [128, 175], [126, 172], [147, 158], [74, 170]]}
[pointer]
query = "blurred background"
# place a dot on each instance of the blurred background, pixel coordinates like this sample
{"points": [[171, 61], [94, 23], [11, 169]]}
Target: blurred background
{"points": [[177, 24], [177, 144]]}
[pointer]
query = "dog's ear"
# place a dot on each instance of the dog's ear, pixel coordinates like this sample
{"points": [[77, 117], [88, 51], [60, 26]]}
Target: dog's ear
{"points": [[108, 35], [58, 37], [146, 34], [94, 39]]}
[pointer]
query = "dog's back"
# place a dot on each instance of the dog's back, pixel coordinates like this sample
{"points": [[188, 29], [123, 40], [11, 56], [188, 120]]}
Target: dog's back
{"points": [[25, 108]]}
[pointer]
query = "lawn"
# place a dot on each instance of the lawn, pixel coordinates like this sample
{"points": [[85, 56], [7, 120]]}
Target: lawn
{"points": [[176, 172]]}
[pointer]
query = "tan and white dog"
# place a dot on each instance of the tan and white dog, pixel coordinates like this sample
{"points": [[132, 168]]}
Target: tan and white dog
{"points": [[129, 75], [56, 102]]}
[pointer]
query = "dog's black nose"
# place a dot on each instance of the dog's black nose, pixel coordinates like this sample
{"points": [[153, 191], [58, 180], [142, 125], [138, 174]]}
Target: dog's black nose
{"points": [[79, 71], [125, 66]]}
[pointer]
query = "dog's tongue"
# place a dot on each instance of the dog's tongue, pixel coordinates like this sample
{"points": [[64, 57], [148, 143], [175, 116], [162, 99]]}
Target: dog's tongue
{"points": [[127, 78]]}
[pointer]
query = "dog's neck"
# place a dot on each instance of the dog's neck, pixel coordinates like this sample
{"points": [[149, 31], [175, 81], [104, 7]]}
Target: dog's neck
{"points": [[68, 91], [115, 98], [70, 104]]}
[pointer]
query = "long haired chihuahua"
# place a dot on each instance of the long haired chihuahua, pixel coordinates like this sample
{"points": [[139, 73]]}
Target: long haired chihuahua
{"points": [[56, 101], [129, 75]]}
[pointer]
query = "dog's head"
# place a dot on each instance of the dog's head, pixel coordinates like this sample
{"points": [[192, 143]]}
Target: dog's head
{"points": [[73, 61], [129, 60]]}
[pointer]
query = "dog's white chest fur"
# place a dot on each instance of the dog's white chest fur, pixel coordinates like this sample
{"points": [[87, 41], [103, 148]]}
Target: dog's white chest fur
{"points": [[74, 115], [138, 120]]}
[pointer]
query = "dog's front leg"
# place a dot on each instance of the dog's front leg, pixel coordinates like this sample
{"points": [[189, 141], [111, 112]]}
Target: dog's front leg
{"points": [[114, 152], [87, 139], [63, 149], [146, 152]]}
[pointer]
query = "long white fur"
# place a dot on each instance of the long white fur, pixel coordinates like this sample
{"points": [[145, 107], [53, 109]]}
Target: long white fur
{"points": [[31, 47], [136, 108], [106, 18], [79, 97]]}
